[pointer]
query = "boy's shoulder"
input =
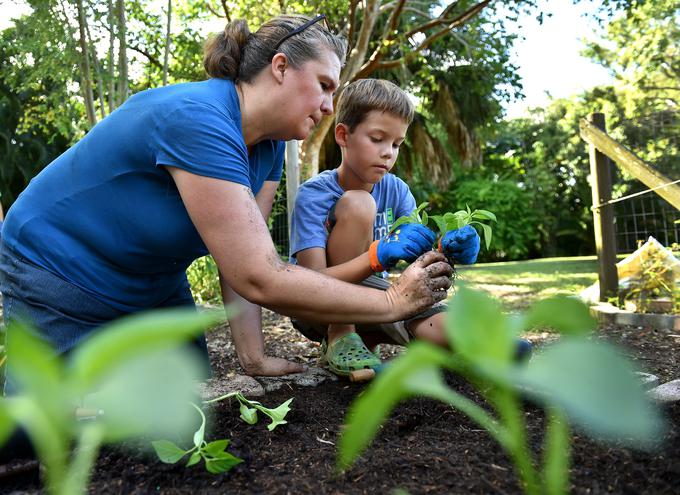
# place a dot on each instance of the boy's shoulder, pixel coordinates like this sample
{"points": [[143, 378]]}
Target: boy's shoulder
{"points": [[324, 181]]}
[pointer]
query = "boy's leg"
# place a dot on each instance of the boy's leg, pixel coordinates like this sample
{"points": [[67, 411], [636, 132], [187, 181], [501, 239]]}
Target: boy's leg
{"points": [[430, 329], [351, 221]]}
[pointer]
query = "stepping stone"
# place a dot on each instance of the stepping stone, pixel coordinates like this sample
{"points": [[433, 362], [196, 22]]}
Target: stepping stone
{"points": [[666, 393], [247, 385], [647, 379], [311, 377]]}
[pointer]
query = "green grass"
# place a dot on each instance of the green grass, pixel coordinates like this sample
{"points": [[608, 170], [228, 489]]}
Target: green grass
{"points": [[518, 284]]}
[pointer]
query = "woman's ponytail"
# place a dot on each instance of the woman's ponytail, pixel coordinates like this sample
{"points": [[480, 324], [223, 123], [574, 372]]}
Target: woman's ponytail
{"points": [[223, 52]]}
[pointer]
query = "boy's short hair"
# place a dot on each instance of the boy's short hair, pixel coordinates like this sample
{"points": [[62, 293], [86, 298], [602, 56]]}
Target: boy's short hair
{"points": [[361, 97]]}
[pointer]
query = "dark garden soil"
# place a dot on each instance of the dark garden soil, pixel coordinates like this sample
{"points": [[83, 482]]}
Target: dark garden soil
{"points": [[424, 447]]}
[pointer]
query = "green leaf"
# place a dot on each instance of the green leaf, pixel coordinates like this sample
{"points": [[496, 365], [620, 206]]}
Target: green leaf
{"points": [[6, 422], [423, 218], [392, 385], [215, 448], [277, 415], [440, 222], [401, 221], [222, 464], [485, 214], [33, 363], [565, 314], [167, 451], [478, 329], [195, 457], [248, 414], [148, 395], [133, 336], [199, 435], [596, 388], [486, 230]]}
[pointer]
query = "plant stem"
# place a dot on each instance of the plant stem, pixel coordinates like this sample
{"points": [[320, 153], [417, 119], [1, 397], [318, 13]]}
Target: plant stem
{"points": [[84, 458], [475, 413], [512, 415], [556, 453]]}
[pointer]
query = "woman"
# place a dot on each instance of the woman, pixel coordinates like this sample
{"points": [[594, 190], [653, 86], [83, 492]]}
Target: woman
{"points": [[178, 172]]}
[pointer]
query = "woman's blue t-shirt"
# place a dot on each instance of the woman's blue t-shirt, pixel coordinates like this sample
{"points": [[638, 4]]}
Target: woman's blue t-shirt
{"points": [[107, 216]]}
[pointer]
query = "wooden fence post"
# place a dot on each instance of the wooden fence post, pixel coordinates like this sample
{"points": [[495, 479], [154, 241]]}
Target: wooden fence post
{"points": [[603, 217]]}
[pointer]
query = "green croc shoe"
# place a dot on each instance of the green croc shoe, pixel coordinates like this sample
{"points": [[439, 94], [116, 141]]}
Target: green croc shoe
{"points": [[347, 354]]}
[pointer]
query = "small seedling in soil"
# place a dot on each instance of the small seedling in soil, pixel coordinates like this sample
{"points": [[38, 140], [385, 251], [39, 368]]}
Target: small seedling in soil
{"points": [[577, 380], [132, 370], [217, 459]]}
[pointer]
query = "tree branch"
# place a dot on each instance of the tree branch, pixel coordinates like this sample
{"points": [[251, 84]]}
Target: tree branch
{"points": [[374, 64], [150, 57]]}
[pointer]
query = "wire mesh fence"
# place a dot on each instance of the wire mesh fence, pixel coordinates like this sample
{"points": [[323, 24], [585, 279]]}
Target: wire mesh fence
{"points": [[278, 225], [638, 218]]}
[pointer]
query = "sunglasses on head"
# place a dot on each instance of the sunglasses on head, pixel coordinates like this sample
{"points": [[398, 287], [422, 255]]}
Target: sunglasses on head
{"points": [[301, 28]]}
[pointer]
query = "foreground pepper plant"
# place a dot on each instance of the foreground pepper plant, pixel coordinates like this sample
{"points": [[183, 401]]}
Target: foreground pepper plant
{"points": [[578, 381], [130, 375]]}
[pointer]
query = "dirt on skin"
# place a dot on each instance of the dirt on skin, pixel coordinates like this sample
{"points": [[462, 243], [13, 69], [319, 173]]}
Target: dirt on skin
{"points": [[424, 447]]}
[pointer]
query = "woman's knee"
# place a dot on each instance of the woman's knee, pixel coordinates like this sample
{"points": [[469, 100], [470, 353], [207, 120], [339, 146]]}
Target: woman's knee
{"points": [[357, 206]]}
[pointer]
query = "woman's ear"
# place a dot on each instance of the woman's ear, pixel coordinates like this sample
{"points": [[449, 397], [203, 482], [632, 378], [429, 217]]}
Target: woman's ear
{"points": [[341, 134], [278, 66]]}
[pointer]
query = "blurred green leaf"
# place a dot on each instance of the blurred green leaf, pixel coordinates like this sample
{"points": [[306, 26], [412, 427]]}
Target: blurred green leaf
{"points": [[148, 394], [567, 315], [393, 384], [478, 329], [133, 336], [596, 388]]}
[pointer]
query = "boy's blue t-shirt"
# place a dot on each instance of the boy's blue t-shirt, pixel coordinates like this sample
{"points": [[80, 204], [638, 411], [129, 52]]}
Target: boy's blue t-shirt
{"points": [[315, 198], [107, 216]]}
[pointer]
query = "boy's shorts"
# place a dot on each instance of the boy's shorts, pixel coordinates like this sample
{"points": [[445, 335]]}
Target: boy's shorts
{"points": [[398, 332]]}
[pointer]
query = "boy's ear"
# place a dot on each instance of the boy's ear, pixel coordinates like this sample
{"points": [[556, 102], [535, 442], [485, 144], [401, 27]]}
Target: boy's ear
{"points": [[278, 66], [341, 133]]}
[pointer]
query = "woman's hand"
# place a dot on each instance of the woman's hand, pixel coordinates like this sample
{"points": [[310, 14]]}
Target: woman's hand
{"points": [[422, 284], [270, 366]]}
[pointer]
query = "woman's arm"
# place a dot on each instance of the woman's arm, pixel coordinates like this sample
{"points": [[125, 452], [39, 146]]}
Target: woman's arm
{"points": [[246, 325], [231, 225]]}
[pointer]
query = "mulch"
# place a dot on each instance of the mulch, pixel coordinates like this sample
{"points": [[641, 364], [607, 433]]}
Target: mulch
{"points": [[424, 447]]}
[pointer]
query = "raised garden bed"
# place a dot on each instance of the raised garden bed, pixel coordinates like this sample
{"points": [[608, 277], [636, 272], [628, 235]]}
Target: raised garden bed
{"points": [[424, 447]]}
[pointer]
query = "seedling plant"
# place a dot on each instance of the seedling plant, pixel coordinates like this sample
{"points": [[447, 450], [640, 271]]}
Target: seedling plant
{"points": [[578, 381], [132, 370], [450, 221], [217, 460]]}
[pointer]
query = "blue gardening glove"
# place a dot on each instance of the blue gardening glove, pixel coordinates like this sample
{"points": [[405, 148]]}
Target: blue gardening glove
{"points": [[406, 243], [460, 245]]}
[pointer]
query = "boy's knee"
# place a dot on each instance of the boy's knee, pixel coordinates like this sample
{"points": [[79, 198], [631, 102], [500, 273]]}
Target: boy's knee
{"points": [[355, 206]]}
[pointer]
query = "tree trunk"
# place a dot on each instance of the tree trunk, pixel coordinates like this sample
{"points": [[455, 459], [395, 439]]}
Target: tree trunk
{"points": [[122, 54], [97, 72], [112, 64], [167, 45], [85, 67], [311, 147]]}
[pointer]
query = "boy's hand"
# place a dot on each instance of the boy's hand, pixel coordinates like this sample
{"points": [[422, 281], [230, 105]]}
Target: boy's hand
{"points": [[406, 243], [460, 245]]}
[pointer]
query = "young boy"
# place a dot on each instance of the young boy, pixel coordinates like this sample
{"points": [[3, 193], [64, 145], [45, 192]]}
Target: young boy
{"points": [[341, 219]]}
